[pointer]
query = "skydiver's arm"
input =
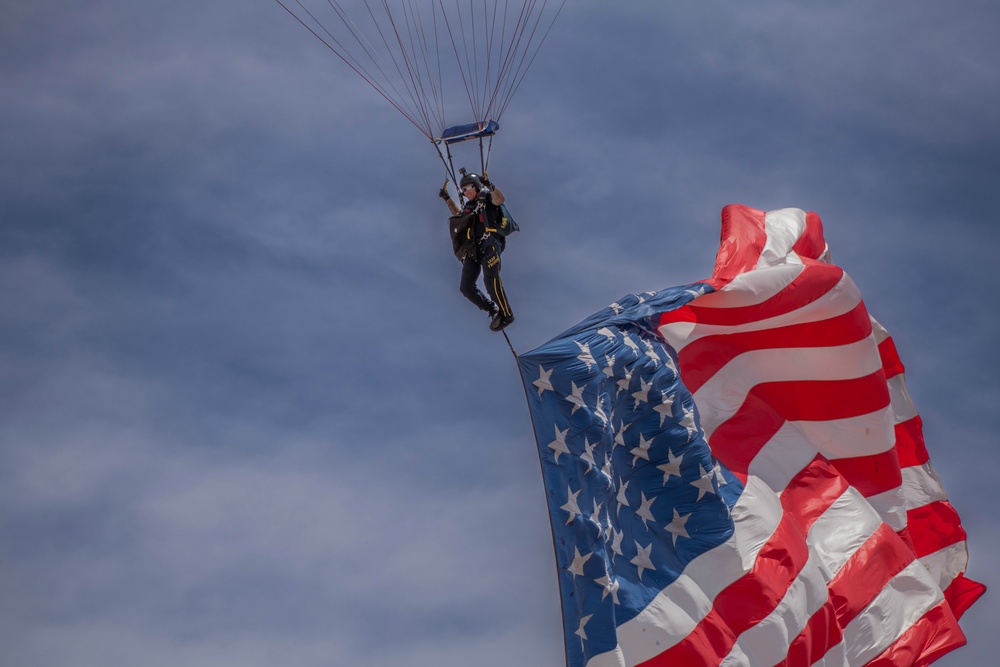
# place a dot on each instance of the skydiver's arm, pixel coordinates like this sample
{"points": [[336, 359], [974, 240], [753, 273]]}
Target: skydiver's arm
{"points": [[452, 206], [496, 196]]}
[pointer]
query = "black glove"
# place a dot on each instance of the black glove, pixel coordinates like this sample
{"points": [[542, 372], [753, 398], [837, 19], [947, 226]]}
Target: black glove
{"points": [[485, 180], [444, 194]]}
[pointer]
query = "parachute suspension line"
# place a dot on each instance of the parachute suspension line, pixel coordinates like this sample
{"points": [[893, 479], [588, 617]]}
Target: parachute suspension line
{"points": [[458, 58], [531, 60], [355, 66], [489, 149], [482, 160], [512, 351]]}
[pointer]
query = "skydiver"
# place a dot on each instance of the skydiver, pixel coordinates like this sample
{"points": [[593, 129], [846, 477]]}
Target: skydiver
{"points": [[477, 244]]}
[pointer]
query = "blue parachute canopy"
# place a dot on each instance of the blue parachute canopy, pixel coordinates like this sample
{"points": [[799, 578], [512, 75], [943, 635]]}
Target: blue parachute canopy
{"points": [[460, 133]]}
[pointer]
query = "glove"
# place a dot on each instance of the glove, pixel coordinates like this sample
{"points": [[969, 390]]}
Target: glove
{"points": [[443, 194], [483, 193], [485, 180]]}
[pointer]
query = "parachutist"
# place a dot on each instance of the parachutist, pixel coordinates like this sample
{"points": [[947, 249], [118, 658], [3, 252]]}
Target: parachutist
{"points": [[478, 236]]}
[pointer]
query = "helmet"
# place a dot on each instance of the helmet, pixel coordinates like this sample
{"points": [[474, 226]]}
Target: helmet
{"points": [[470, 179]]}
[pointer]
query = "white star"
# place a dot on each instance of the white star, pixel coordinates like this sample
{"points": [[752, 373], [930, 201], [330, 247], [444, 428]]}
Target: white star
{"points": [[583, 621], [630, 344], [576, 567], [620, 436], [616, 307], [576, 397], [688, 422], [571, 505], [696, 292], [642, 560], [616, 541], [677, 526], [585, 356], [625, 381], [645, 512], [606, 468], [672, 467], [666, 407], [643, 394], [652, 353], [596, 516], [717, 470], [704, 483], [588, 454], [599, 411], [609, 370], [621, 498], [610, 586], [642, 451], [608, 333], [559, 445], [543, 382]]}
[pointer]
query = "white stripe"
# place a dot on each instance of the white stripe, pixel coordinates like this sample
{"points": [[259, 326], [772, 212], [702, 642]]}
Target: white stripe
{"points": [[783, 228], [899, 398], [679, 607], [946, 564], [835, 657], [847, 524], [724, 393], [891, 506], [782, 457], [907, 597], [921, 486]]}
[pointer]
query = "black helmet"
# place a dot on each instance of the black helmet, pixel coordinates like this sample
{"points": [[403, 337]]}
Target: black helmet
{"points": [[470, 179]]}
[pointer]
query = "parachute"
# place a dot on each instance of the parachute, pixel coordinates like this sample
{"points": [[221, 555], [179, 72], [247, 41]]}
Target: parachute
{"points": [[430, 58]]}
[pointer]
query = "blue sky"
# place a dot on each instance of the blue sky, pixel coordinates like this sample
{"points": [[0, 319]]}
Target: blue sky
{"points": [[246, 418]]}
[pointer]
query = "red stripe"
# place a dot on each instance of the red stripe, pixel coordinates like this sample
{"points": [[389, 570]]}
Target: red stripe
{"points": [[742, 241], [768, 406], [704, 357], [752, 597], [933, 527], [962, 593], [811, 244], [815, 280], [872, 474], [865, 574], [910, 443], [933, 635], [890, 358]]}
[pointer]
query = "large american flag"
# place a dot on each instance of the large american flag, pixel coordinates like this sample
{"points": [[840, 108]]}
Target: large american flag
{"points": [[736, 474]]}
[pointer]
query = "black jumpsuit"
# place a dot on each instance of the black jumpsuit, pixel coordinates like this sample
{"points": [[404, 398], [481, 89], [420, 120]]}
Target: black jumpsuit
{"points": [[486, 258]]}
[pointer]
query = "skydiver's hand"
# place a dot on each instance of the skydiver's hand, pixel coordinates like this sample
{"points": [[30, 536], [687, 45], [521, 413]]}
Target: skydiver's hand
{"points": [[485, 180], [443, 194]]}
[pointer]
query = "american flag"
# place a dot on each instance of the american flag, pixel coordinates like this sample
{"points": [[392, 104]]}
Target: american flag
{"points": [[736, 474]]}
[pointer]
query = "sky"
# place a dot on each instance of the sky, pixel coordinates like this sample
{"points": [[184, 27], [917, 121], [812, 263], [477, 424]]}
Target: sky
{"points": [[247, 419]]}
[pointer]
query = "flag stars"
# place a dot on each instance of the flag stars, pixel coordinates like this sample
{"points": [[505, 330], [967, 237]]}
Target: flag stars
{"points": [[665, 408], [642, 451], [610, 586], [642, 559], [688, 422], [642, 396], [672, 468], [571, 505], [645, 511], [609, 370], [677, 526], [544, 380], [581, 633], [576, 567], [616, 541], [559, 445], [705, 482], [588, 454], [576, 397], [585, 356], [621, 498]]}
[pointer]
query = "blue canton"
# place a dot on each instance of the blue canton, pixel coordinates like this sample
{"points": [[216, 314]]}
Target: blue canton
{"points": [[634, 493]]}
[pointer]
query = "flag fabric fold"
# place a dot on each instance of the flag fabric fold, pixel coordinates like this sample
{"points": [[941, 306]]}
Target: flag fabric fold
{"points": [[736, 474]]}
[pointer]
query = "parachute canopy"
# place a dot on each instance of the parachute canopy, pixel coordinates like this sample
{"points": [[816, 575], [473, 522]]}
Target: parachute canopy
{"points": [[435, 59], [460, 133]]}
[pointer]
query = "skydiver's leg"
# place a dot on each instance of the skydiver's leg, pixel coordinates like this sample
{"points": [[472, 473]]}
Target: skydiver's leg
{"points": [[490, 258], [470, 274]]}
